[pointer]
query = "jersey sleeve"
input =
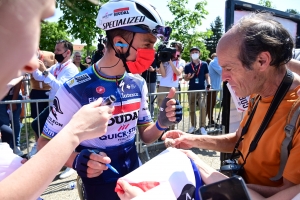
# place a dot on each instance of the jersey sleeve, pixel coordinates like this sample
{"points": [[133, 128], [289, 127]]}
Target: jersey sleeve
{"points": [[63, 108], [144, 117]]}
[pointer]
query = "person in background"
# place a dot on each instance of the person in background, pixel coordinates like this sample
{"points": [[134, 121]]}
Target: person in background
{"points": [[196, 72], [88, 61], [215, 73], [10, 117], [150, 77], [40, 90], [77, 62], [171, 72], [208, 60], [55, 76]]}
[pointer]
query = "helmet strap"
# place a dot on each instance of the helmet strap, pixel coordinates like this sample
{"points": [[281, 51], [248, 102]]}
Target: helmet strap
{"points": [[123, 56]]}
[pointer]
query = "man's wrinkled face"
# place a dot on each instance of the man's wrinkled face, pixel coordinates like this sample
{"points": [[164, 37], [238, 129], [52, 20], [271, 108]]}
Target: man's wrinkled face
{"points": [[20, 33], [242, 80], [77, 58]]}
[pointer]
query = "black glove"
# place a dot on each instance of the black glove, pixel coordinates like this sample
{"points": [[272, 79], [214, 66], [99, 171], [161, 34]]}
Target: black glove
{"points": [[80, 162], [163, 119]]}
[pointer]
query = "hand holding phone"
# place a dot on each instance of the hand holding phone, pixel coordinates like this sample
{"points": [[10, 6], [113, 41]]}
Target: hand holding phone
{"points": [[227, 189]]}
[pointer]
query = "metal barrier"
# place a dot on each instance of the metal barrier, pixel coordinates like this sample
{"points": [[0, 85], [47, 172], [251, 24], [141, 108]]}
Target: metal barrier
{"points": [[212, 129], [27, 117]]}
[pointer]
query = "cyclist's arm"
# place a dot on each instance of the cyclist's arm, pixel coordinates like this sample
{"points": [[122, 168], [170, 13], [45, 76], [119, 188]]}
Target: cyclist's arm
{"points": [[58, 117]]}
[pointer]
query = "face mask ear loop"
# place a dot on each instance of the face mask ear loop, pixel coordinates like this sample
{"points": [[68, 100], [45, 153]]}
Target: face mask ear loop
{"points": [[123, 56]]}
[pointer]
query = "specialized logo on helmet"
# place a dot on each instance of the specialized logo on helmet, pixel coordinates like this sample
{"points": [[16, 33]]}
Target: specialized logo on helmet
{"points": [[125, 21], [56, 107], [121, 11]]}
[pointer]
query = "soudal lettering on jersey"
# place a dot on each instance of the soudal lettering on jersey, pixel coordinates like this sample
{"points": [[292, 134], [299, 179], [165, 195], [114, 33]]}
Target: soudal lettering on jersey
{"points": [[123, 118], [52, 121], [47, 131], [124, 96], [124, 21], [121, 11], [120, 136]]}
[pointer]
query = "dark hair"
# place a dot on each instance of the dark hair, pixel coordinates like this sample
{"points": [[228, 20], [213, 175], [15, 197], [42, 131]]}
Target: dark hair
{"points": [[178, 45], [110, 34], [260, 32], [208, 60], [67, 45], [213, 55]]}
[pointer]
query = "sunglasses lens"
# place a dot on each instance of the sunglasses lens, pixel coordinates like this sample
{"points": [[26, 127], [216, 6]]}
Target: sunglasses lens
{"points": [[163, 33]]}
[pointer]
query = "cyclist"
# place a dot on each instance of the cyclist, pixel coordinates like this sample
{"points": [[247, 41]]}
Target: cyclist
{"points": [[132, 27]]}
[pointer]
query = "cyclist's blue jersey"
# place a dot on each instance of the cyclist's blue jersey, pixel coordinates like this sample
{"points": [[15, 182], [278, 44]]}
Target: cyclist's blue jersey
{"points": [[131, 106], [131, 109]]}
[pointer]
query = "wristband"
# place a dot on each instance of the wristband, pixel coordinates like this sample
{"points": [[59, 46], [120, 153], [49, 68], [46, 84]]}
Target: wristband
{"points": [[159, 128]]}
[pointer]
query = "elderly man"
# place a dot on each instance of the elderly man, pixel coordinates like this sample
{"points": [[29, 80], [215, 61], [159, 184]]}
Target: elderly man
{"points": [[253, 55]]}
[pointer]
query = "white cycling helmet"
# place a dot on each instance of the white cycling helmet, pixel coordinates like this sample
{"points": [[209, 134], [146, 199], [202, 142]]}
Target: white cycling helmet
{"points": [[132, 15]]}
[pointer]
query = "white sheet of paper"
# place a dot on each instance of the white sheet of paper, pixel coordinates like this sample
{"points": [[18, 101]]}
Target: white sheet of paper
{"points": [[169, 167], [241, 104]]}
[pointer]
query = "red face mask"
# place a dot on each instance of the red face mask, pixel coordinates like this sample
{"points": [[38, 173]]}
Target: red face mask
{"points": [[144, 58]]}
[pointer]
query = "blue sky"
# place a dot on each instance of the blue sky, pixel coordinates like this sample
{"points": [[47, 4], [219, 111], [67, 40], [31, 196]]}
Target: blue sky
{"points": [[214, 7]]}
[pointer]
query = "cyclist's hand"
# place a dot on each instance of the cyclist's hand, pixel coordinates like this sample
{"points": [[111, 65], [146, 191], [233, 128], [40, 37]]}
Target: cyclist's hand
{"points": [[170, 111], [89, 164]]}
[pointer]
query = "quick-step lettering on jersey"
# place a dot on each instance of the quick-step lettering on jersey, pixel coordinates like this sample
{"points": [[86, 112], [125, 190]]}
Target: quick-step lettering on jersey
{"points": [[131, 107]]}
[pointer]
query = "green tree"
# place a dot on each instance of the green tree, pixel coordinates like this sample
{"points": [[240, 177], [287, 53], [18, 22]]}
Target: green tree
{"points": [[266, 3], [185, 25], [50, 33], [293, 11], [85, 52], [79, 18], [217, 31]]}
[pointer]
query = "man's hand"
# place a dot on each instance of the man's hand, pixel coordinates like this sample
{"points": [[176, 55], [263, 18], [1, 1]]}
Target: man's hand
{"points": [[91, 120], [89, 164], [129, 190], [181, 140], [189, 76], [170, 110], [42, 66]]}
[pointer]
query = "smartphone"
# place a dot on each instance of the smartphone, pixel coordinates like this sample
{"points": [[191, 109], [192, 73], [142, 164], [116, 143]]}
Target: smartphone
{"points": [[228, 189]]}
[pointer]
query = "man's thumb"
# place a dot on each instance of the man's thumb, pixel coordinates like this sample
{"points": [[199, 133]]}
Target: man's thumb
{"points": [[171, 93]]}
